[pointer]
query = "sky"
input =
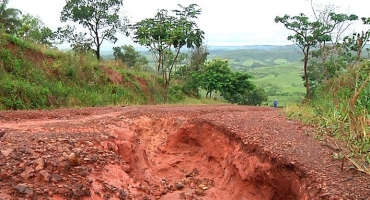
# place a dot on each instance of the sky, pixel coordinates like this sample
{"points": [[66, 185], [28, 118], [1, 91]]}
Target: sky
{"points": [[225, 22]]}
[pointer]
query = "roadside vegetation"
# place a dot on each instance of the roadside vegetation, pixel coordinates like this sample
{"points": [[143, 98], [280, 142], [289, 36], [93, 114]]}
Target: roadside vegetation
{"points": [[336, 76], [35, 74], [334, 67]]}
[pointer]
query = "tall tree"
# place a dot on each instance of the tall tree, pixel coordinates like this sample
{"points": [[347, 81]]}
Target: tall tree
{"points": [[165, 35], [33, 29], [100, 17], [307, 34], [9, 17], [329, 57]]}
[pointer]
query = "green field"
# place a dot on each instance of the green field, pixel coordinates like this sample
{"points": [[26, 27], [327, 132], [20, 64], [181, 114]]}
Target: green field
{"points": [[282, 82], [277, 69]]}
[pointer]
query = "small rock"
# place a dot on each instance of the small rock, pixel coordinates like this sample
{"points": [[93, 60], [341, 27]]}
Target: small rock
{"points": [[199, 192], [2, 133], [89, 143], [122, 194], [56, 178], [7, 152], [64, 165], [24, 189], [179, 185], [112, 147], [61, 159], [4, 176], [74, 159], [77, 150], [39, 162], [29, 172], [45, 175], [39, 167]]}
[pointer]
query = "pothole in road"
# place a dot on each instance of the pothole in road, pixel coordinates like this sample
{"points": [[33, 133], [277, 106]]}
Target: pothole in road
{"points": [[178, 159]]}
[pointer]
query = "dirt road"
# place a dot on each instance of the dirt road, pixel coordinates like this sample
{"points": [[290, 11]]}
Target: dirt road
{"points": [[169, 152]]}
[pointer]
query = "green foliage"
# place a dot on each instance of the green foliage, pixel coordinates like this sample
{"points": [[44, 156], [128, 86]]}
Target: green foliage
{"points": [[33, 29], [333, 113], [165, 35], [100, 17], [307, 34], [128, 55], [68, 80], [254, 97], [235, 87], [188, 72], [176, 94], [255, 57], [214, 77], [9, 17]]}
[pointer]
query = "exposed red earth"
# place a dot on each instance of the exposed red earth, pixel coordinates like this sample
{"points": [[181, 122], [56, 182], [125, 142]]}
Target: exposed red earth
{"points": [[169, 152]]}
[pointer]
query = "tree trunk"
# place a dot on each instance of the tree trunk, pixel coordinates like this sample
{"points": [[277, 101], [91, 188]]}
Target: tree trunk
{"points": [[165, 96], [97, 52], [308, 95], [358, 56]]}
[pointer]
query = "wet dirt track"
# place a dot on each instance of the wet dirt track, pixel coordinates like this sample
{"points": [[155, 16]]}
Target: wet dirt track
{"points": [[168, 152]]}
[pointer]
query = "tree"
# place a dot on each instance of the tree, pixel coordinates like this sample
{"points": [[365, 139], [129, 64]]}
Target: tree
{"points": [[358, 41], [100, 17], [307, 34], [165, 35], [196, 62], [128, 55], [238, 84], [9, 17], [197, 58], [253, 96], [215, 76], [33, 29]]}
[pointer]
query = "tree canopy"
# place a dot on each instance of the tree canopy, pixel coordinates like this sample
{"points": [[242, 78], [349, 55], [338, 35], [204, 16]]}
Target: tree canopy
{"points": [[128, 55], [308, 33], [165, 35], [33, 29], [100, 17], [9, 17], [235, 87]]}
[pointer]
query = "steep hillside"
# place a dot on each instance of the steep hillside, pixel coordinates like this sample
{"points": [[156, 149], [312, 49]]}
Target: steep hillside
{"points": [[34, 77]]}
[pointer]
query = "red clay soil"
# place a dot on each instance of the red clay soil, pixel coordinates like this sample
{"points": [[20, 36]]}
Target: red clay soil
{"points": [[168, 152]]}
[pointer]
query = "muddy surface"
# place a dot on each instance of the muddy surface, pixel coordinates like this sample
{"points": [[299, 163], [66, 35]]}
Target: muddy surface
{"points": [[169, 152]]}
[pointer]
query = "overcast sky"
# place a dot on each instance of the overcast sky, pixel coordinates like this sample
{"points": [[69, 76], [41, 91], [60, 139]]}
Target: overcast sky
{"points": [[225, 22]]}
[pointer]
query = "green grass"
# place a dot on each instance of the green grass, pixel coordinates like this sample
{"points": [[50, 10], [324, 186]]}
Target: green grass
{"points": [[249, 62], [34, 77], [284, 101], [282, 82], [201, 101], [281, 61]]}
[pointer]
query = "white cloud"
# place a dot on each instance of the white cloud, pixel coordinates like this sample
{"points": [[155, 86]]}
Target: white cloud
{"points": [[231, 22]]}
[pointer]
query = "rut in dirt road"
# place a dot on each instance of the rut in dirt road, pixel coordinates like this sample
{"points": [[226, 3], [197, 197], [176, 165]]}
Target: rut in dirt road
{"points": [[166, 152]]}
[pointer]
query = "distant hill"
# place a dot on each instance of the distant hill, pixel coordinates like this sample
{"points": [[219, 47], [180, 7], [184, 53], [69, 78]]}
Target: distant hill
{"points": [[259, 47], [240, 57]]}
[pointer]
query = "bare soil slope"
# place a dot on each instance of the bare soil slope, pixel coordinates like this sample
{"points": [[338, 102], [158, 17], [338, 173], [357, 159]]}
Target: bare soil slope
{"points": [[168, 152]]}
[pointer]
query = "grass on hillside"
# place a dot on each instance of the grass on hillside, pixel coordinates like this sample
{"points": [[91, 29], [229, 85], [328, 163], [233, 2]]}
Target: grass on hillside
{"points": [[37, 77], [282, 82]]}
